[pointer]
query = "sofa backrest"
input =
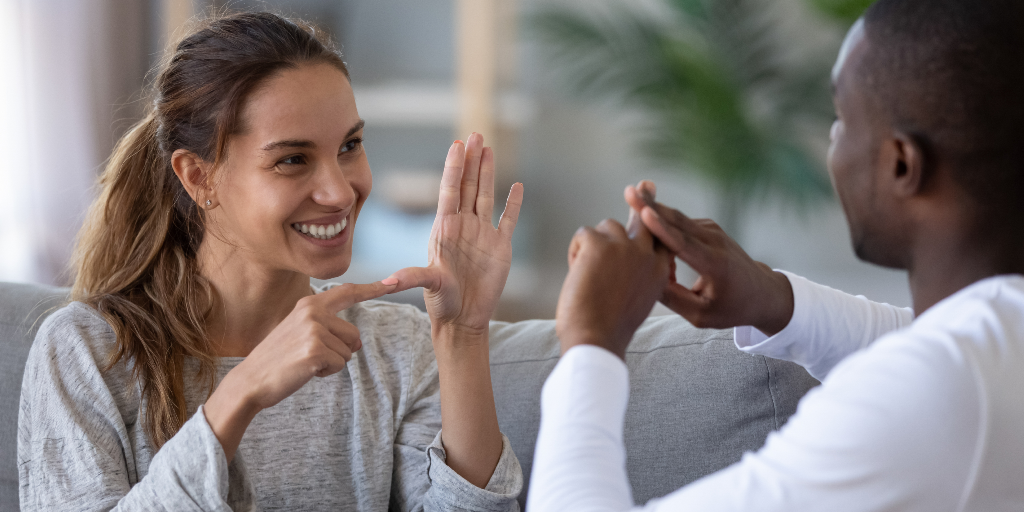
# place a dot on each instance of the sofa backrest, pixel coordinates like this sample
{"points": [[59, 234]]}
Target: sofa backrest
{"points": [[696, 404], [22, 309]]}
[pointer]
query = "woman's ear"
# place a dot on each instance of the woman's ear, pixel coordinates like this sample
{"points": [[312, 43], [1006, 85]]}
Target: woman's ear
{"points": [[193, 173]]}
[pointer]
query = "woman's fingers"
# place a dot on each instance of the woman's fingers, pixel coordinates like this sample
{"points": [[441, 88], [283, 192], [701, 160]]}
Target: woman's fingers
{"points": [[485, 196], [451, 180], [344, 332], [344, 296], [471, 173], [333, 359], [417, 277], [509, 218]]}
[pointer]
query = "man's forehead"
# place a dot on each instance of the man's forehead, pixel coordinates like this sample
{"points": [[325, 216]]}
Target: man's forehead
{"points": [[854, 37]]}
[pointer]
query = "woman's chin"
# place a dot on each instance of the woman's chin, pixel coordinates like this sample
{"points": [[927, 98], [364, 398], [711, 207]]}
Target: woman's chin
{"points": [[326, 272]]}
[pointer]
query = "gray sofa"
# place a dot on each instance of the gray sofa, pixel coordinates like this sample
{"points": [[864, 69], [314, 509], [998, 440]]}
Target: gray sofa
{"points": [[697, 403]]}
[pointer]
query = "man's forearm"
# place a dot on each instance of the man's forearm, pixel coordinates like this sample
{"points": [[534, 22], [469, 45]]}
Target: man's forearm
{"points": [[580, 459]]}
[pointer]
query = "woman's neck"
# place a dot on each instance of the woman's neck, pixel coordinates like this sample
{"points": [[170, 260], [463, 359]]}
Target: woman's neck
{"points": [[249, 300]]}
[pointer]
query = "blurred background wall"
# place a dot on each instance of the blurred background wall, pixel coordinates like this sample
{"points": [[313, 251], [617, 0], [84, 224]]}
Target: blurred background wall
{"points": [[559, 88]]}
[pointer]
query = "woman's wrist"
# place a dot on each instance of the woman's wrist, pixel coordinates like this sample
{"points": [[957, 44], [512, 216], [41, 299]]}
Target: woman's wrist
{"points": [[229, 410], [455, 335]]}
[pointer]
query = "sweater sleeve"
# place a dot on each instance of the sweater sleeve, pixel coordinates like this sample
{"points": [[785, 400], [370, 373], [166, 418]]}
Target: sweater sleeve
{"points": [[74, 448], [827, 326], [423, 481]]}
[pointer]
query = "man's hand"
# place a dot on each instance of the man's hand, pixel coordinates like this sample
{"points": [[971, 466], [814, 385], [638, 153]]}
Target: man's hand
{"points": [[613, 282], [732, 289]]}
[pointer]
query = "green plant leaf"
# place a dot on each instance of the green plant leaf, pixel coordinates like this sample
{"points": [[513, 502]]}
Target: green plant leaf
{"points": [[844, 10], [720, 99]]}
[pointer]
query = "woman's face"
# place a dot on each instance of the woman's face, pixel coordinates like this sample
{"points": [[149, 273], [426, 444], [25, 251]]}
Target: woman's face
{"points": [[295, 176]]}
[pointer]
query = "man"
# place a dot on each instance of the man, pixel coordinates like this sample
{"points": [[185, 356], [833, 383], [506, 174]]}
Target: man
{"points": [[918, 410]]}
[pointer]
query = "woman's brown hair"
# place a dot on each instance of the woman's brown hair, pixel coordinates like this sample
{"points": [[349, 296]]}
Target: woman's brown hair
{"points": [[135, 260]]}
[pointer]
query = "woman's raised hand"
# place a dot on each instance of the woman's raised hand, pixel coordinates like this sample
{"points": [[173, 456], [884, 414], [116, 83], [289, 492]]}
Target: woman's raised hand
{"points": [[468, 259], [310, 342]]}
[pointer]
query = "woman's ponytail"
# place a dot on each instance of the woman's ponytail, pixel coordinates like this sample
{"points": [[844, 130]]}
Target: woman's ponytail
{"points": [[135, 263]]}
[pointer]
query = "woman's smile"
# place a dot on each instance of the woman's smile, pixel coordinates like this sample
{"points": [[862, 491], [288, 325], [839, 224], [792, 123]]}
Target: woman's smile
{"points": [[330, 231]]}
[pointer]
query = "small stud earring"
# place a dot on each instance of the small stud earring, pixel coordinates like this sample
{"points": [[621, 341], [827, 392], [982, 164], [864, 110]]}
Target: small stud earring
{"points": [[208, 202]]}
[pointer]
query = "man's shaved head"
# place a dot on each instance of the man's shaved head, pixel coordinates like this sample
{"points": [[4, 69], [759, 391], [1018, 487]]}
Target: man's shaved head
{"points": [[950, 74]]}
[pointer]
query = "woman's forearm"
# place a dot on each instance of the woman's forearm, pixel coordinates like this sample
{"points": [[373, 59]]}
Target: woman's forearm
{"points": [[229, 413], [469, 421]]}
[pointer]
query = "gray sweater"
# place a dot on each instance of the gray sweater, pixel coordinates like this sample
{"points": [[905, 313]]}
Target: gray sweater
{"points": [[366, 438]]}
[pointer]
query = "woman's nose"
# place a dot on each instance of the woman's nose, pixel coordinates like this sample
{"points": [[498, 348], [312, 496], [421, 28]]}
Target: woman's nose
{"points": [[333, 188]]}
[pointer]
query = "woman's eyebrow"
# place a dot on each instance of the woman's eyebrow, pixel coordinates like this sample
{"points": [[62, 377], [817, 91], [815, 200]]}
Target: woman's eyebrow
{"points": [[299, 143], [293, 143], [355, 128]]}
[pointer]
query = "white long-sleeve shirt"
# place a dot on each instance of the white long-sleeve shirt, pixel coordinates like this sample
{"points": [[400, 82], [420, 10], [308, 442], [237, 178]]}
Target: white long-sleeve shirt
{"points": [[912, 415]]}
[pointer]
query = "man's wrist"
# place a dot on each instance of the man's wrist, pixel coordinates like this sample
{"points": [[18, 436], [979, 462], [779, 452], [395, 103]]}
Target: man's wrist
{"points": [[597, 339], [781, 304]]}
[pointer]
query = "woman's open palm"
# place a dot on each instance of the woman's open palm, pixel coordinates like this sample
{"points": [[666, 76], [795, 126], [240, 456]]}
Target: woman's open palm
{"points": [[468, 259]]}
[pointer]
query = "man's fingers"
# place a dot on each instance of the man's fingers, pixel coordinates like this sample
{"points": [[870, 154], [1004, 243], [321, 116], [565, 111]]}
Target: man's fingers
{"points": [[416, 277], [686, 247], [451, 180], [509, 218], [648, 188], [645, 238], [637, 198], [611, 227], [582, 236], [471, 172], [343, 296], [574, 246], [485, 196], [682, 301]]}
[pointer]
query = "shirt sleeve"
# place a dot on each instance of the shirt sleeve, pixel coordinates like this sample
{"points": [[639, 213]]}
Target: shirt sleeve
{"points": [[827, 326], [866, 440], [579, 463], [423, 481], [74, 452]]}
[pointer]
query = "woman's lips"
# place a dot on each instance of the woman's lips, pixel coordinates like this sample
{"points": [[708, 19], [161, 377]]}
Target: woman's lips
{"points": [[321, 231]]}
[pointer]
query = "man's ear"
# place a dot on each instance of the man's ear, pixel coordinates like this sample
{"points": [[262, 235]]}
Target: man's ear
{"points": [[193, 173], [909, 165]]}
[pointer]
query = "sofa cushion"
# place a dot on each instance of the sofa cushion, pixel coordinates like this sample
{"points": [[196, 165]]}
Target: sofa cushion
{"points": [[696, 402], [22, 309]]}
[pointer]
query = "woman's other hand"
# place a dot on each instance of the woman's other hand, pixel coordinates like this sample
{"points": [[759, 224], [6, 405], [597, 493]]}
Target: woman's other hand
{"points": [[310, 342], [468, 259], [468, 262]]}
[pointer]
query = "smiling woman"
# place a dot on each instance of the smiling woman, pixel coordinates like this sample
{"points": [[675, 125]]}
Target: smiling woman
{"points": [[197, 368]]}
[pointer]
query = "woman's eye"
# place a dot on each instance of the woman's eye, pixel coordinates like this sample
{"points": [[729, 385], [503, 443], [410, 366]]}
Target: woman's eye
{"points": [[293, 160], [351, 146]]}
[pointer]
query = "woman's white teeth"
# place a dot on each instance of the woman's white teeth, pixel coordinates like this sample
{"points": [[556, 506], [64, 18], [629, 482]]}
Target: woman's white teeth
{"points": [[323, 232]]}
